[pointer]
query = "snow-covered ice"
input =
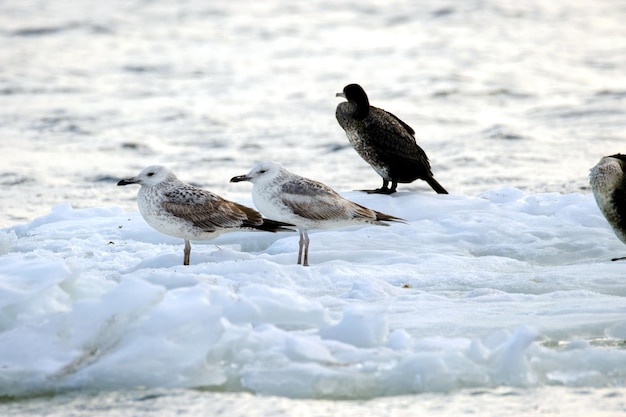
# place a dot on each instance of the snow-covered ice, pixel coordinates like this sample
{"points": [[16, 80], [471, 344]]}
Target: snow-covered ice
{"points": [[504, 289]]}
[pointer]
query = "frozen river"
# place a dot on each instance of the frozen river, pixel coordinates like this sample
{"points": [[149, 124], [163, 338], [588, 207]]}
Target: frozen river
{"points": [[495, 299]]}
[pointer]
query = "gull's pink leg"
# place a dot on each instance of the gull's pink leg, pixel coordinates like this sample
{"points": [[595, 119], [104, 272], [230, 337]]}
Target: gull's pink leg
{"points": [[187, 252], [306, 248]]}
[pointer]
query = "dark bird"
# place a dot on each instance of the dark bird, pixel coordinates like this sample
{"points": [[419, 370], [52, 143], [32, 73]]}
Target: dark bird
{"points": [[383, 141], [608, 183], [181, 210]]}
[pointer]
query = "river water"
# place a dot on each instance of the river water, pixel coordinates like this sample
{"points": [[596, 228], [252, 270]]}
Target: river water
{"points": [[500, 93]]}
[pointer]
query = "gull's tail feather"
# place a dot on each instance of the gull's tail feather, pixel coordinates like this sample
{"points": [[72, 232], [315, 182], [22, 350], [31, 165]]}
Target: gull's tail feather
{"points": [[269, 225]]}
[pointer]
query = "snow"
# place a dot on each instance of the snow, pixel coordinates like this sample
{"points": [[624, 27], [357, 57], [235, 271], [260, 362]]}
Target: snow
{"points": [[503, 289]]}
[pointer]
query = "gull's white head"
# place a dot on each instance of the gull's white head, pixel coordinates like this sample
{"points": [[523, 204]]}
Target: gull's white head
{"points": [[261, 172], [152, 175]]}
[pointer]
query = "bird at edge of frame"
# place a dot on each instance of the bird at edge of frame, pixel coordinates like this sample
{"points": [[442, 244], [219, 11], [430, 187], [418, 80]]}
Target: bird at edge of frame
{"points": [[608, 184]]}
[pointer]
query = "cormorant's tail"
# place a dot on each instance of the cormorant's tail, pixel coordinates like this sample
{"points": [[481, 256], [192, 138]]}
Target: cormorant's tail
{"points": [[435, 185]]}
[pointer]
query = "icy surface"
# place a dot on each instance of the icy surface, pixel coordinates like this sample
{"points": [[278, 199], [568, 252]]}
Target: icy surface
{"points": [[505, 289]]}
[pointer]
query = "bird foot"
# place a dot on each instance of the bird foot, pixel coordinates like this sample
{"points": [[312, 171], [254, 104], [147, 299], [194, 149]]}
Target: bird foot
{"points": [[380, 191]]}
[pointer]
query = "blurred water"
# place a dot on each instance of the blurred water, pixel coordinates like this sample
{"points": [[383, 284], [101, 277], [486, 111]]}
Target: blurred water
{"points": [[527, 94], [501, 93], [505, 402]]}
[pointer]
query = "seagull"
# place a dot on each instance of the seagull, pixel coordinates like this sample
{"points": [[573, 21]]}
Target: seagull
{"points": [[383, 141], [184, 211], [306, 203], [608, 184]]}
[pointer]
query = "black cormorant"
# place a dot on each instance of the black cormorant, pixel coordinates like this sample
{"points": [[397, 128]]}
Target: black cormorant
{"points": [[383, 141]]}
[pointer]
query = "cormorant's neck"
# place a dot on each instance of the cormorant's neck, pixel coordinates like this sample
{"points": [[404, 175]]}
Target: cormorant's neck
{"points": [[361, 109]]}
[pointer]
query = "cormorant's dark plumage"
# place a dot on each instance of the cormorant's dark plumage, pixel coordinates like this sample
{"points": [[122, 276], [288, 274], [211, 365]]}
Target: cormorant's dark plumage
{"points": [[608, 183], [384, 141]]}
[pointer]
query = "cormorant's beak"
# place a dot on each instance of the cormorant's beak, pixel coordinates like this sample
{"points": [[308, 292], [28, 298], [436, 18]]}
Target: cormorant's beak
{"points": [[340, 95], [127, 181], [240, 178]]}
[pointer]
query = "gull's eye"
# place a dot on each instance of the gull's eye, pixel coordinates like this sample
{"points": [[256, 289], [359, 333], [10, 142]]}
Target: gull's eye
{"points": [[150, 174]]}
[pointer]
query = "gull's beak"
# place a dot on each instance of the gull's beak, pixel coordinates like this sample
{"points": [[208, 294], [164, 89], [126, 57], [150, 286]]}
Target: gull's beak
{"points": [[340, 95], [240, 178], [127, 181]]}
